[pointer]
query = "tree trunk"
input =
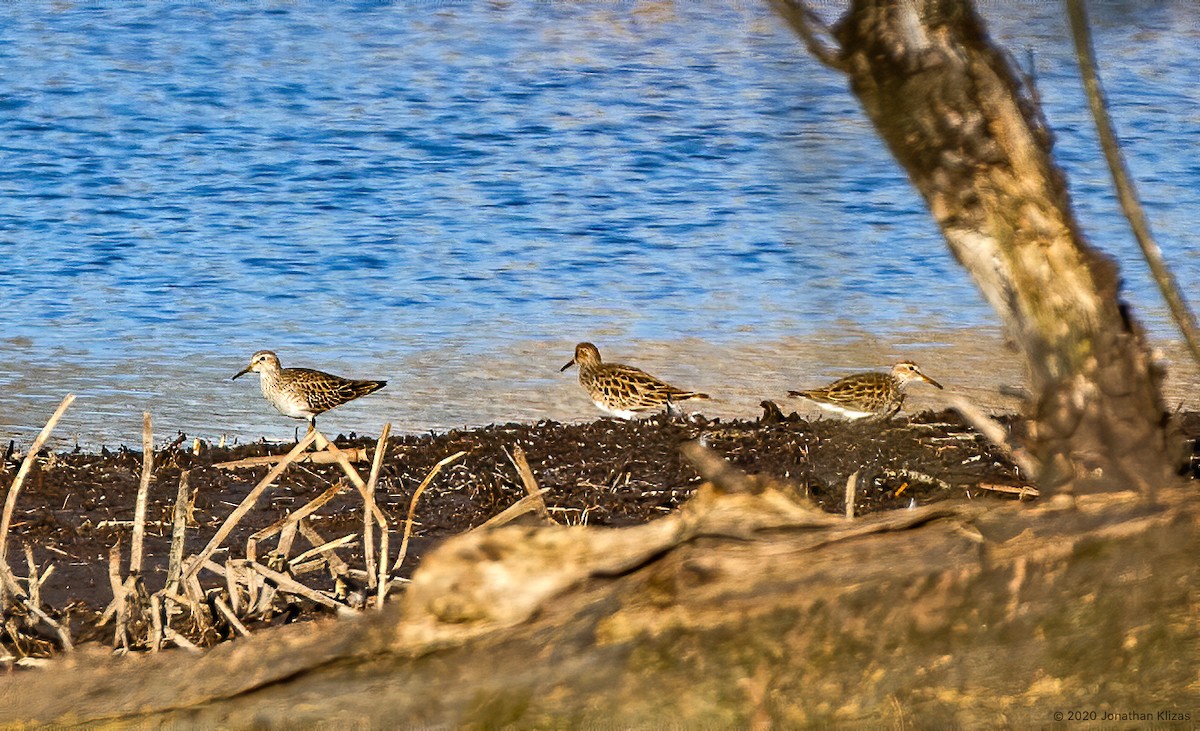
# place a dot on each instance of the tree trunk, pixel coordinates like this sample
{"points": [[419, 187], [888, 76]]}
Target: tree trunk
{"points": [[955, 114]]}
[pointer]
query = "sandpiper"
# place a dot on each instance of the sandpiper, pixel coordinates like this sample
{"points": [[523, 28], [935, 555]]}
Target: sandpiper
{"points": [[303, 393], [621, 390], [868, 394]]}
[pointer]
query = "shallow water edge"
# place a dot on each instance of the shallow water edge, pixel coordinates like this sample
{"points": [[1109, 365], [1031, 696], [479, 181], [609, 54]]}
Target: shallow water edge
{"points": [[449, 388]]}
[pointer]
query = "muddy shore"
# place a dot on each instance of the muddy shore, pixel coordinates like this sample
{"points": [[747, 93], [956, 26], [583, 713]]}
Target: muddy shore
{"points": [[75, 506]]}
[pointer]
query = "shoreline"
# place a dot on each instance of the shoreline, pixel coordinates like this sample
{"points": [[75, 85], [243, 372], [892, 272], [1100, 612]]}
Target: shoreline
{"points": [[445, 390]]}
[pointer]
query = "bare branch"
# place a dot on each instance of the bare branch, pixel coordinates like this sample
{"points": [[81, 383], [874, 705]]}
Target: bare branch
{"points": [[369, 507], [292, 518], [7, 581], [247, 503], [530, 503], [851, 494], [178, 531], [724, 476], [808, 25], [412, 506], [1126, 191], [997, 435], [139, 513], [531, 487]]}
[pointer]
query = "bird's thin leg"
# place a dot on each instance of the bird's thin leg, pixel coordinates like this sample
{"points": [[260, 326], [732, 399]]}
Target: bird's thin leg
{"points": [[673, 410]]}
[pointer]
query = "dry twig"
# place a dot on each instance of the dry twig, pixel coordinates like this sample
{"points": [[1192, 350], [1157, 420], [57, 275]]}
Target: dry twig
{"points": [[337, 566], [325, 547], [1021, 491], [295, 517], [230, 617], [290, 585], [354, 454], [352, 473], [33, 602], [180, 640], [722, 475], [381, 581], [369, 509], [518, 461], [194, 564], [412, 505], [116, 610], [156, 623], [527, 504], [178, 532], [851, 494], [139, 513], [996, 434], [233, 587], [8, 582]]}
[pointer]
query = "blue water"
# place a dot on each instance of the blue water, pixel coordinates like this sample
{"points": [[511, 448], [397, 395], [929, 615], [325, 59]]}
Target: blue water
{"points": [[456, 192]]}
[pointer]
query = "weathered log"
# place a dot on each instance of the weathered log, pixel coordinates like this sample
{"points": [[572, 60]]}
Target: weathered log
{"points": [[739, 610], [957, 116]]}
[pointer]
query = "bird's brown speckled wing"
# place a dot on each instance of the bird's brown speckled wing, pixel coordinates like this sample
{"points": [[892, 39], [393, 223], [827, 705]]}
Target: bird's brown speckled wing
{"points": [[628, 388], [862, 391], [324, 391]]}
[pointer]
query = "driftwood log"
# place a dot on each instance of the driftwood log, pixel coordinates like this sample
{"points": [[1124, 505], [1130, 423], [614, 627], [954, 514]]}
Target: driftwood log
{"points": [[742, 609]]}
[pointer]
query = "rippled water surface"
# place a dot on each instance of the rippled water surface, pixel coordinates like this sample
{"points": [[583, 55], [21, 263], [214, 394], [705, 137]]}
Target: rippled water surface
{"points": [[450, 195]]}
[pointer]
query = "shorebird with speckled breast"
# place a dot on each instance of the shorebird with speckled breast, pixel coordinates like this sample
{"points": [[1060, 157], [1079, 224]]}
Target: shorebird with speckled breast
{"points": [[865, 395], [622, 390], [303, 393]]}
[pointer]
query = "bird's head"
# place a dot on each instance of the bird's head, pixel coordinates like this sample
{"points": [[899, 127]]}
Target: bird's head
{"points": [[586, 355], [906, 371], [263, 360]]}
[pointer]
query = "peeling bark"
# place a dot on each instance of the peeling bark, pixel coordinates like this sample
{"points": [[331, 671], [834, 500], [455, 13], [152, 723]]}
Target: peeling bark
{"points": [[956, 115]]}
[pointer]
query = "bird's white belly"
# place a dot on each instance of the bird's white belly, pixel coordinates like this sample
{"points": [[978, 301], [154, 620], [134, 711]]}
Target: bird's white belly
{"points": [[849, 413], [619, 413], [288, 404]]}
